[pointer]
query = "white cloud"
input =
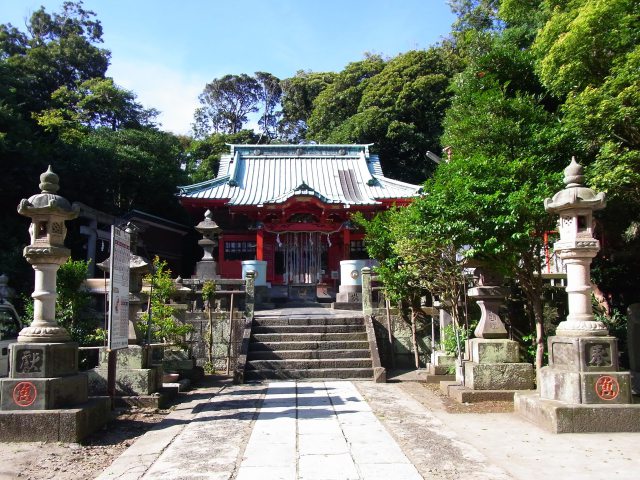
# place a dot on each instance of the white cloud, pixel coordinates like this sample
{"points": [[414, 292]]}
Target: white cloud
{"points": [[173, 92]]}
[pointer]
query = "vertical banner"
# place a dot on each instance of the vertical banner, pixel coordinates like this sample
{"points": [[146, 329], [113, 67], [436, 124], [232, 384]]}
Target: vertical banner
{"points": [[119, 290]]}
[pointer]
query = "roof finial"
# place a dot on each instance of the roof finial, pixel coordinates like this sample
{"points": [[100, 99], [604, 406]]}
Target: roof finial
{"points": [[49, 181], [574, 174]]}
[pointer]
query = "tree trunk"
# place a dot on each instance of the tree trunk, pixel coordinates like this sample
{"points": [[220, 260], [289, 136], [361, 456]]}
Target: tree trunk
{"points": [[414, 339], [539, 317]]}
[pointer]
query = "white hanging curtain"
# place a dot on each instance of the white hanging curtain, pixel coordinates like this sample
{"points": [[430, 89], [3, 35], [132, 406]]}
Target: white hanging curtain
{"points": [[302, 257]]}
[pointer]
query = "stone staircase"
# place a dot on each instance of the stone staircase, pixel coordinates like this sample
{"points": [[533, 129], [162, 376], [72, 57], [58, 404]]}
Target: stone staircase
{"points": [[320, 346]]}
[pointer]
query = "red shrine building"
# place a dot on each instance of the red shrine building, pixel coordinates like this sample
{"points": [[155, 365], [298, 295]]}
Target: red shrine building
{"points": [[290, 206]]}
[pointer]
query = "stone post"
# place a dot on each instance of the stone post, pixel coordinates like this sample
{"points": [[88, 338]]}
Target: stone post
{"points": [[582, 389], [367, 292], [633, 345], [250, 295]]}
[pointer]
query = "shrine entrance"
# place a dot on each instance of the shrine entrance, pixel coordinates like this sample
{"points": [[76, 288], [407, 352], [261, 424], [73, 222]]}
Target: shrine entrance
{"points": [[301, 257]]}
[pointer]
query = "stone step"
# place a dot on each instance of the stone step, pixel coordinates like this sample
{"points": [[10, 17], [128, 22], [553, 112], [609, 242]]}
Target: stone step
{"points": [[306, 329], [310, 364], [309, 345], [315, 320], [306, 354], [318, 337], [329, 373]]}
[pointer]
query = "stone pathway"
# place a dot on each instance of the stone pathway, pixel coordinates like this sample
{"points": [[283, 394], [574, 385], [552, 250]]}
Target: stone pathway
{"points": [[360, 430], [321, 430]]}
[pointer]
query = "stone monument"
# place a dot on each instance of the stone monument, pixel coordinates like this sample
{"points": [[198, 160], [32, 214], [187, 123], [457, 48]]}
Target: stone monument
{"points": [[45, 397], [493, 361], [582, 389], [491, 368]]}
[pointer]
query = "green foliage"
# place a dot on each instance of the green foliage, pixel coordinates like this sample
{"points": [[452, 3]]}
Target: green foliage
{"points": [[73, 304], [208, 290], [454, 339], [202, 157], [582, 40], [396, 104], [616, 323], [298, 94], [164, 326]]}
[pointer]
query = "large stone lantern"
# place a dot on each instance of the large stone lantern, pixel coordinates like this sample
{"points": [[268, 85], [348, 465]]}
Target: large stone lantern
{"points": [[582, 389], [48, 212], [45, 398], [575, 205]]}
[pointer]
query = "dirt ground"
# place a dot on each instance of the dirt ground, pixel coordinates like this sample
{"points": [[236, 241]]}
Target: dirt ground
{"points": [[451, 406], [67, 461]]}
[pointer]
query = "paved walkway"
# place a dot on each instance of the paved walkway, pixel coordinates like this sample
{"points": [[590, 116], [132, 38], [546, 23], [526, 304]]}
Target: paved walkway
{"points": [[360, 430]]}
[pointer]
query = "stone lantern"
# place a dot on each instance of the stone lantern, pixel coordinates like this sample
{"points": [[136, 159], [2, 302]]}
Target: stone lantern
{"points": [[582, 389], [206, 268], [46, 253], [45, 398], [575, 205]]}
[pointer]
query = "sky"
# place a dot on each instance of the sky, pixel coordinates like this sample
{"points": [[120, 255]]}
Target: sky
{"points": [[166, 51]]}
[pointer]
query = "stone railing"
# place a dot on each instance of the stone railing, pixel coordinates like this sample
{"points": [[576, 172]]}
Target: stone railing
{"points": [[250, 289], [379, 372]]}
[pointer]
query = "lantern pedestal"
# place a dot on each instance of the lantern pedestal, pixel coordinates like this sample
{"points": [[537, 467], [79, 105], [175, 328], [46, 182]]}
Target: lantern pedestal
{"points": [[45, 398]]}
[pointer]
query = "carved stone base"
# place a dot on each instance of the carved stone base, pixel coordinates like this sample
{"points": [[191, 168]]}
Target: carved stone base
{"points": [[561, 417], [60, 425], [498, 376], [46, 334], [43, 393], [206, 270], [43, 360], [583, 354], [585, 387]]}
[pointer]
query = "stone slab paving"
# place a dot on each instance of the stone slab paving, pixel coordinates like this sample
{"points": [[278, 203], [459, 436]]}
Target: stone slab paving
{"points": [[320, 430], [201, 439]]}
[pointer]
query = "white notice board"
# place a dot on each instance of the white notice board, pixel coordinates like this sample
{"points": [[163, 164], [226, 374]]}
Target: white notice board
{"points": [[119, 290]]}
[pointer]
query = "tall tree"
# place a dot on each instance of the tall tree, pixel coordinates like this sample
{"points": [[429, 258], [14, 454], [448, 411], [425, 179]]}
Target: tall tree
{"points": [[269, 94], [298, 94], [588, 56], [226, 103], [401, 111], [340, 99]]}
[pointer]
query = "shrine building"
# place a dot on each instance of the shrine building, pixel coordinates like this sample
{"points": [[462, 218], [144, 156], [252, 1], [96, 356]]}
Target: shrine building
{"points": [[290, 206]]}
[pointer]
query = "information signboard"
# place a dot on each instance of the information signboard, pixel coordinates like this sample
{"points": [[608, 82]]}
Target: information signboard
{"points": [[119, 290]]}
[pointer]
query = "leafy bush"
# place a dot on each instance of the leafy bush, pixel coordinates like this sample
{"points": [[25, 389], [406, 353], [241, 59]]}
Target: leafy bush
{"points": [[165, 327]]}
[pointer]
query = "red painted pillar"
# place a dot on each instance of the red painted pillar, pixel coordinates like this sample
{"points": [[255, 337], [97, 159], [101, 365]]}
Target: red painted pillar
{"points": [[260, 244], [346, 239]]}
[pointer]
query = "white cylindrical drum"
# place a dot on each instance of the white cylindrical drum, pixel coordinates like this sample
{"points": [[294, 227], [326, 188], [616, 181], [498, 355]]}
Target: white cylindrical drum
{"points": [[258, 266], [350, 271]]}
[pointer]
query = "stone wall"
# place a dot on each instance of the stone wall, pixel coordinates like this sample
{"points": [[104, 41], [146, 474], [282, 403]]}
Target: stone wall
{"points": [[399, 353]]}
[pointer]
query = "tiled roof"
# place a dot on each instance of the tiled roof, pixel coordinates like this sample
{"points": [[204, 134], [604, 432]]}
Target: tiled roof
{"points": [[271, 174]]}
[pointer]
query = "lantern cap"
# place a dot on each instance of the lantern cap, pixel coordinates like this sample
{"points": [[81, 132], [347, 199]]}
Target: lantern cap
{"points": [[575, 195]]}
